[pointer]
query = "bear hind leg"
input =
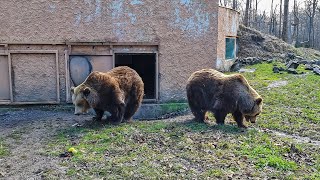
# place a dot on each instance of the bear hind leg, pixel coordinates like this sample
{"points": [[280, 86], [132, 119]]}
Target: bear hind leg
{"points": [[238, 117], [117, 114], [198, 113], [131, 109], [220, 116], [99, 114]]}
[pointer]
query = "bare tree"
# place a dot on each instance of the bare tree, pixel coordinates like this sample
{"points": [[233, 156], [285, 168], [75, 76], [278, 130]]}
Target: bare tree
{"points": [[280, 15], [246, 15], [311, 6], [234, 4], [295, 23], [271, 17], [285, 21]]}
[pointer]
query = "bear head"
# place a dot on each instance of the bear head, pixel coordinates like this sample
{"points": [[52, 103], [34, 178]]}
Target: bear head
{"points": [[82, 98], [251, 114]]}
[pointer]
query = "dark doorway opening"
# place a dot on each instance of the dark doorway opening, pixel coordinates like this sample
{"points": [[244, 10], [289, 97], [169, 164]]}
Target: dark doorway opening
{"points": [[145, 65]]}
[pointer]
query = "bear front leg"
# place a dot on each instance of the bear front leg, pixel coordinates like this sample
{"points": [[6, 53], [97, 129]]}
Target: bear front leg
{"points": [[99, 114], [117, 114], [238, 117], [220, 116], [198, 113]]}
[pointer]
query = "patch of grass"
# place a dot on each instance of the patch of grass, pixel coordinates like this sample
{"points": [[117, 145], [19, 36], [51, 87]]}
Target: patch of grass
{"points": [[176, 150], [4, 150], [266, 153], [277, 162], [173, 107], [295, 107]]}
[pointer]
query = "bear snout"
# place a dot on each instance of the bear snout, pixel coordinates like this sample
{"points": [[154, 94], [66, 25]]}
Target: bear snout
{"points": [[253, 120]]}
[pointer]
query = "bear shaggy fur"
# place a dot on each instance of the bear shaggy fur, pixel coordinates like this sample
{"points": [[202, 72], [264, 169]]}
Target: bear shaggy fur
{"points": [[211, 90], [119, 91]]}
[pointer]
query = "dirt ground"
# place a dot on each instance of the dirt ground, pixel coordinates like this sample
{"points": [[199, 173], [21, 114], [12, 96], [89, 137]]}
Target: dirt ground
{"points": [[26, 132]]}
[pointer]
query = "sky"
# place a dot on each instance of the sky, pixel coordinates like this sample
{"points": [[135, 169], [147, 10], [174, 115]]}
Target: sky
{"points": [[266, 4]]}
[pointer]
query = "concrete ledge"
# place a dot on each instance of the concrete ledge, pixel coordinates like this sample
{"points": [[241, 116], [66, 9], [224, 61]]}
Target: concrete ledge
{"points": [[157, 111]]}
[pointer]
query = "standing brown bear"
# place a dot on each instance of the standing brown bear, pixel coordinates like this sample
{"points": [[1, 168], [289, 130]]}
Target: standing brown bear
{"points": [[211, 90], [119, 91]]}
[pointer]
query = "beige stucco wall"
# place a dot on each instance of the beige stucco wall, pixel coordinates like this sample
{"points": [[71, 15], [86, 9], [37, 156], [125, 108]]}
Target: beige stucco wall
{"points": [[185, 31], [228, 23]]}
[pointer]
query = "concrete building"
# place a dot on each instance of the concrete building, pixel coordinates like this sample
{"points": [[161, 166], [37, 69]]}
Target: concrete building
{"points": [[48, 46]]}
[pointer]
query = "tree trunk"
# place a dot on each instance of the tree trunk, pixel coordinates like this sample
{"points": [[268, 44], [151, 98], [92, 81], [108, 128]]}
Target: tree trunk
{"points": [[280, 21], [271, 17], [246, 15], [285, 21], [314, 7], [295, 35], [234, 4], [256, 15]]}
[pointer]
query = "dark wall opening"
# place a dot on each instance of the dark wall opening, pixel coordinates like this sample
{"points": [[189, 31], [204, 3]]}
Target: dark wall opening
{"points": [[145, 65]]}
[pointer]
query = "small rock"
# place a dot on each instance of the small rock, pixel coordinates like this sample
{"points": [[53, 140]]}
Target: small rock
{"points": [[269, 61], [308, 67], [304, 61], [275, 69], [292, 64], [235, 67], [65, 154], [317, 62], [247, 70], [316, 70], [292, 71], [299, 58], [291, 56]]}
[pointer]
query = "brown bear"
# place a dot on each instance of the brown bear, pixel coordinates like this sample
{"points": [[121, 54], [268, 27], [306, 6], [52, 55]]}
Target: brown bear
{"points": [[119, 91], [211, 90]]}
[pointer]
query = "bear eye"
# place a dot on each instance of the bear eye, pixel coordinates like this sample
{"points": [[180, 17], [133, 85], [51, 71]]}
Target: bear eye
{"points": [[257, 114]]}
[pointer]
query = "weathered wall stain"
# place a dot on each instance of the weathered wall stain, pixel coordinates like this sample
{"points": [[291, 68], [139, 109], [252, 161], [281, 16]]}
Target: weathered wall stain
{"points": [[92, 11], [52, 8], [197, 23], [136, 2]]}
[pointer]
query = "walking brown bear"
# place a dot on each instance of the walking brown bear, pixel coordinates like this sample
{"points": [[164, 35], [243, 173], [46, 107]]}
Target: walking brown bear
{"points": [[119, 91], [211, 90]]}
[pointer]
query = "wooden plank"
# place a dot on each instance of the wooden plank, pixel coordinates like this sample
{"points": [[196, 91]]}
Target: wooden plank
{"points": [[10, 77], [67, 75], [33, 51], [149, 100], [37, 43], [58, 77], [90, 54], [4, 102], [79, 43]]}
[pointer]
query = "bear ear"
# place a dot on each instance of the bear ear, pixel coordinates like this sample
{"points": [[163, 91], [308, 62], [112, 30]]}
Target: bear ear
{"points": [[86, 91], [72, 90], [259, 100]]}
